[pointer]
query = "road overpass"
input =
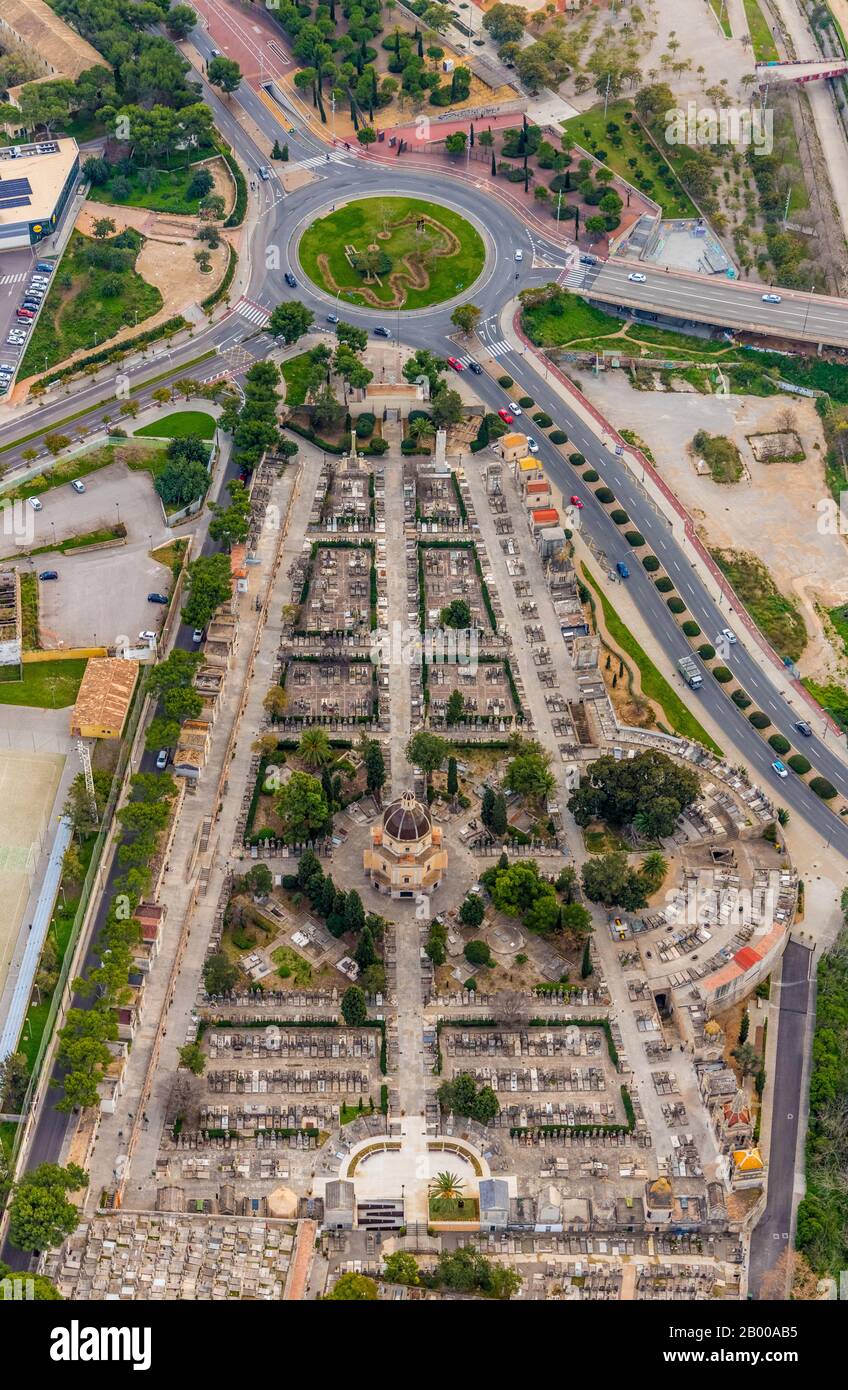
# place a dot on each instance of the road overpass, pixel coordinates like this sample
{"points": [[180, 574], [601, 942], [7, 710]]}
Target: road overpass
{"points": [[785, 74]]}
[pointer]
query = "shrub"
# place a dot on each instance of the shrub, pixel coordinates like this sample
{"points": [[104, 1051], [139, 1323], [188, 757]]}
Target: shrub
{"points": [[604, 494], [576, 460], [823, 788], [559, 437], [619, 517], [365, 424], [691, 629], [780, 744], [505, 382], [526, 402], [722, 674], [634, 538], [591, 476], [676, 604], [650, 562], [542, 420], [759, 720], [664, 584], [799, 764], [706, 652], [741, 699]]}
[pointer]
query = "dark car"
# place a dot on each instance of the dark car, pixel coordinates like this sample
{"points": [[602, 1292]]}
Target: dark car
{"points": [[157, 598], [382, 332], [289, 279], [49, 574], [475, 368], [803, 728], [45, 267], [588, 260]]}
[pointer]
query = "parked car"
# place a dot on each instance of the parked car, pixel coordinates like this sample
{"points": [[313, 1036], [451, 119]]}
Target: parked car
{"points": [[780, 768], [45, 267], [638, 277], [575, 502], [772, 299], [157, 598], [78, 485], [290, 280], [161, 760], [48, 574], [147, 635], [505, 416], [23, 313], [455, 363], [803, 728], [197, 635], [36, 504], [382, 332], [532, 445]]}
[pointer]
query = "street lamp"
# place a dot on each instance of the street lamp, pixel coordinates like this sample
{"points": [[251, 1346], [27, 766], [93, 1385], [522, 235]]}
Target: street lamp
{"points": [[118, 510]]}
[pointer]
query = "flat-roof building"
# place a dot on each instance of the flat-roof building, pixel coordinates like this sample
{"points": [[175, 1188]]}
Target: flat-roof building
{"points": [[35, 185]]}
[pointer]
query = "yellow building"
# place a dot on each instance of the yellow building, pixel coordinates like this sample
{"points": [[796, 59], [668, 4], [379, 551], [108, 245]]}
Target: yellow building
{"points": [[104, 697], [406, 855]]}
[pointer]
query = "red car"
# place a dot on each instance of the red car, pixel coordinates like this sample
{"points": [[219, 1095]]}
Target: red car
{"points": [[24, 314], [455, 363], [575, 502], [505, 416]]}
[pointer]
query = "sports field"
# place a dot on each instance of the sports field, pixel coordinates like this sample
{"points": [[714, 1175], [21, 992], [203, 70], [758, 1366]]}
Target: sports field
{"points": [[28, 783]]}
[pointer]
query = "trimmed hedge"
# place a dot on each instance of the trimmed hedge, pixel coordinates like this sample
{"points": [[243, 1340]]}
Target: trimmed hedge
{"points": [[651, 563], [236, 217], [799, 764], [722, 674], [823, 788], [676, 604], [577, 460], [759, 720], [211, 300], [506, 382], [706, 652], [526, 402], [664, 584], [591, 476], [542, 420], [634, 538], [619, 517], [691, 629], [740, 698], [780, 744], [604, 494], [559, 437]]}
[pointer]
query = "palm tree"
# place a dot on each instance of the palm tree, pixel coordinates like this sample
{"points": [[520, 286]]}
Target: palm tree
{"points": [[420, 428], [314, 747], [447, 1187]]}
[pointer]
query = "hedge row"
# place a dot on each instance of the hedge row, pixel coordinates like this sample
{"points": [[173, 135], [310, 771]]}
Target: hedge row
{"points": [[237, 215], [211, 300]]}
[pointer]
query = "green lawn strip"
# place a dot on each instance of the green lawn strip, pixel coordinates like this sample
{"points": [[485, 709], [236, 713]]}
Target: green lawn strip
{"points": [[8, 1130], [296, 375], [29, 612], [775, 615], [831, 697], [454, 1208], [786, 139], [719, 9], [180, 425], [71, 543], [45, 684], [654, 684], [582, 325], [362, 223], [98, 304], [99, 405], [674, 200], [170, 193], [764, 46]]}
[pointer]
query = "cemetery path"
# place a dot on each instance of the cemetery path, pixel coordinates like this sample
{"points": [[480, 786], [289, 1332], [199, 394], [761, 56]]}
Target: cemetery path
{"points": [[398, 605]]}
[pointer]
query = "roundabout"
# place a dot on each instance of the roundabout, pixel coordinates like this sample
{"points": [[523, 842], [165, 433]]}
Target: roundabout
{"points": [[392, 253]]}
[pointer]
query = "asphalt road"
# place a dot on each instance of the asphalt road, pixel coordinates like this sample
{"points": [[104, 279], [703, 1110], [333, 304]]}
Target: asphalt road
{"points": [[774, 1229]]}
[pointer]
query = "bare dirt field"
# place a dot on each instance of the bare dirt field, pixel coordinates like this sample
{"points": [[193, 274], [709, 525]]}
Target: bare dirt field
{"points": [[28, 783], [774, 513]]}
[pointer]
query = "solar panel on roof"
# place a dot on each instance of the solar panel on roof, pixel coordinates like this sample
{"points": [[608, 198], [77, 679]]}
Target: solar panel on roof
{"points": [[15, 202], [14, 187]]}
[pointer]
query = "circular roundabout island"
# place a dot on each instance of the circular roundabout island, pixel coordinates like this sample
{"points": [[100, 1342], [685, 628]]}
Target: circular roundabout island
{"points": [[392, 253]]}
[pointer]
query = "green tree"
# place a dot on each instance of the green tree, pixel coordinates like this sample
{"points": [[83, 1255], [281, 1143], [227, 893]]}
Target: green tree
{"points": [[436, 944], [453, 778], [427, 751], [219, 974], [485, 1106], [354, 912], [224, 73], [102, 227], [425, 363], [210, 584], [446, 408], [302, 808], [40, 1214], [401, 1268], [193, 1058], [314, 747], [354, 1007], [650, 786], [744, 1027], [353, 1288], [465, 317], [365, 953], [505, 23], [499, 817], [575, 919], [608, 879], [456, 615], [477, 952], [180, 20], [472, 911], [529, 774], [354, 338], [366, 135], [375, 767], [586, 962], [290, 320], [42, 1289], [748, 1058], [455, 144], [455, 707]]}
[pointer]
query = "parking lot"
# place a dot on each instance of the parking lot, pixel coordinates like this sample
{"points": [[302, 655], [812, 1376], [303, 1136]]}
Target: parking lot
{"points": [[100, 594], [16, 270]]}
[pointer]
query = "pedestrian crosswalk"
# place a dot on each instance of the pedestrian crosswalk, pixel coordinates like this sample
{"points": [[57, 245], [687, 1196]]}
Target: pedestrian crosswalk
{"points": [[254, 313], [574, 278], [318, 159], [496, 348], [12, 279]]}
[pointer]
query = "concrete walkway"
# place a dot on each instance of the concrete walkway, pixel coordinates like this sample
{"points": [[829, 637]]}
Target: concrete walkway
{"points": [[398, 606]]}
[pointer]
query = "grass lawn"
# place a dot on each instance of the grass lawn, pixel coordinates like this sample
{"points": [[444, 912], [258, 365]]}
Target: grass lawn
{"points": [[45, 684], [765, 49], [170, 555], [720, 12], [454, 1209], [720, 455], [180, 425], [654, 684], [295, 374], [604, 842], [390, 224], [96, 305], [573, 322], [591, 131], [29, 612], [292, 966], [775, 615], [833, 698], [168, 192]]}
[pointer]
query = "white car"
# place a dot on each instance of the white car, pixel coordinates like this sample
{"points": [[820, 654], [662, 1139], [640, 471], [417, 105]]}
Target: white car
{"points": [[161, 759], [729, 635], [36, 504], [780, 768], [78, 485], [147, 636], [772, 299], [532, 445], [638, 277], [514, 409], [519, 255]]}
